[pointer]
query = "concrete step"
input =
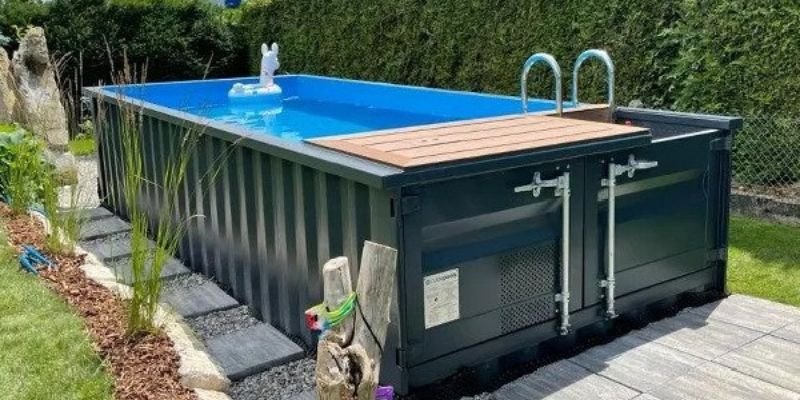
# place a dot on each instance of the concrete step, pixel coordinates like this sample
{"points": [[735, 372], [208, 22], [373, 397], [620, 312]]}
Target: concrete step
{"points": [[110, 249], [123, 269], [91, 214], [196, 300], [252, 350], [101, 228]]}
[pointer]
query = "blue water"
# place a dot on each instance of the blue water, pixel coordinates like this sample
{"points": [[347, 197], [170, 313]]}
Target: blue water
{"points": [[315, 106], [304, 119]]}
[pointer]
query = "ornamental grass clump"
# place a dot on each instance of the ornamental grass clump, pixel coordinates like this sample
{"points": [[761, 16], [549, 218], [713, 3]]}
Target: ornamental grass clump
{"points": [[167, 225]]}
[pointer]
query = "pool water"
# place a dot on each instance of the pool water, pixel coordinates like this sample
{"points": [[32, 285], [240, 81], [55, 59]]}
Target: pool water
{"points": [[307, 118], [316, 106]]}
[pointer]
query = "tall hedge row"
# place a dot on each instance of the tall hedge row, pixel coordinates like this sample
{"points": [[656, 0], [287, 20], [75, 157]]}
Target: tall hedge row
{"points": [[733, 56], [178, 39]]}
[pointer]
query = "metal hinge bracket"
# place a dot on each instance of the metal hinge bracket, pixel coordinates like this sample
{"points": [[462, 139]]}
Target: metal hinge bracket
{"points": [[560, 184], [722, 144], [630, 168]]}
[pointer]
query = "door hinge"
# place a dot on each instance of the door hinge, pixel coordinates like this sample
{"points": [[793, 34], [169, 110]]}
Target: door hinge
{"points": [[400, 357], [410, 204], [720, 254], [722, 144]]}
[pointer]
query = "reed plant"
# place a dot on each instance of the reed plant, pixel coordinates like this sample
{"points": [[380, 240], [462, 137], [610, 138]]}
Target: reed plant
{"points": [[168, 225], [65, 222]]}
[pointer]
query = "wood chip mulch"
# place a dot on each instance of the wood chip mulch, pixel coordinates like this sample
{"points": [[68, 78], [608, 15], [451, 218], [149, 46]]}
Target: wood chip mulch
{"points": [[144, 367]]}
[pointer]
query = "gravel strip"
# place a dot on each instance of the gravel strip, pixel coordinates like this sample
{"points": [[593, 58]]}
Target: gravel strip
{"points": [[184, 281], [222, 322], [277, 383]]}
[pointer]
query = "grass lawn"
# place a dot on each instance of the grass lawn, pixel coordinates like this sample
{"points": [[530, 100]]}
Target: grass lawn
{"points": [[44, 350], [82, 146], [765, 260]]}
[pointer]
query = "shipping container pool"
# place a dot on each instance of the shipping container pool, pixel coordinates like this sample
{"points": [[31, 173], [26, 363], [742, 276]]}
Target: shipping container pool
{"points": [[513, 229]]}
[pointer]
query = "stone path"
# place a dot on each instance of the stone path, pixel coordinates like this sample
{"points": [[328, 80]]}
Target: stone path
{"points": [[738, 348], [241, 345]]}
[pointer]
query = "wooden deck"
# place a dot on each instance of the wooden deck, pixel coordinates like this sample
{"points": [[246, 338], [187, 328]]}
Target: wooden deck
{"points": [[416, 147]]}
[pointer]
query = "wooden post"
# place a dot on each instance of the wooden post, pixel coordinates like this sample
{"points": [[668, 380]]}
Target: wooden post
{"points": [[350, 369]]}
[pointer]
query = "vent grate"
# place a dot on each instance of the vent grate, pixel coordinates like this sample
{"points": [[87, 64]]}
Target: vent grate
{"points": [[528, 272], [527, 286], [527, 313]]}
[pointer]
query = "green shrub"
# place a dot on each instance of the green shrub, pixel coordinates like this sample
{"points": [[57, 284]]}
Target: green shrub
{"points": [[22, 170], [178, 39]]}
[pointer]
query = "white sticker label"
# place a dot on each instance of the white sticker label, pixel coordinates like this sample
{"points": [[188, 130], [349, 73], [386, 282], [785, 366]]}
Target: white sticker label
{"points": [[441, 298]]}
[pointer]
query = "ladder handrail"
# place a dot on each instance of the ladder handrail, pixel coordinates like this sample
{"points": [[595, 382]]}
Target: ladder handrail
{"points": [[526, 68], [609, 64]]}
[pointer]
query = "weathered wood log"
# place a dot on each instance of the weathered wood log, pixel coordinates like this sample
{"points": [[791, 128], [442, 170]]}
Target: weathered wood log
{"points": [[338, 285], [350, 370]]}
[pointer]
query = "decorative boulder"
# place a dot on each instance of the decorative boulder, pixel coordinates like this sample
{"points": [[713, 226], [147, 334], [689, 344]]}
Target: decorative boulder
{"points": [[39, 98], [8, 96]]}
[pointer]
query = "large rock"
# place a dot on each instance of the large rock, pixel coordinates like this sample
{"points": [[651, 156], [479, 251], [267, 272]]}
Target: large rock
{"points": [[39, 98], [8, 96]]}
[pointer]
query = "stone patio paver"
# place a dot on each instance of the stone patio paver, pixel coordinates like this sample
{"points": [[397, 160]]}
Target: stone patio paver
{"points": [[569, 381], [739, 348], [750, 312], [789, 332], [252, 350], [770, 359], [712, 381], [702, 337], [636, 362]]}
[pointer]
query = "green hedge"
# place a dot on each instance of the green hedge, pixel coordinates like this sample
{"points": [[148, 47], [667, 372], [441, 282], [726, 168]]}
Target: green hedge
{"points": [[178, 39], [732, 56]]}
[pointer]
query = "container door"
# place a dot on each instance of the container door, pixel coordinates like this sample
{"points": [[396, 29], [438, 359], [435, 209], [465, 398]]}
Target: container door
{"points": [[661, 217], [483, 260]]}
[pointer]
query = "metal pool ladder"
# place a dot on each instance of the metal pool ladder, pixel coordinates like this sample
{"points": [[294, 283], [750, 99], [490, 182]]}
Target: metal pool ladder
{"points": [[523, 80], [606, 60]]}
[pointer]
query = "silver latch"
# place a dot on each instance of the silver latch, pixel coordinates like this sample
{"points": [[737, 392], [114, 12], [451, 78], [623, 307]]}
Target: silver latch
{"points": [[631, 168], [535, 187]]}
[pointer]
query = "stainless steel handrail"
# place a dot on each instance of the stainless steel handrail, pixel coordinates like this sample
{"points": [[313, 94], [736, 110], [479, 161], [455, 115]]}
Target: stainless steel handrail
{"points": [[606, 59], [523, 80]]}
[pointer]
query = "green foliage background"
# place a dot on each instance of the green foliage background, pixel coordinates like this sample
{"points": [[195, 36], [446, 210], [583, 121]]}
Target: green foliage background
{"points": [[718, 56], [178, 39], [729, 56]]}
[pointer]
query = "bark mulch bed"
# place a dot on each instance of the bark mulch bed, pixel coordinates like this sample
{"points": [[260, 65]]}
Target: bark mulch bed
{"points": [[144, 367]]}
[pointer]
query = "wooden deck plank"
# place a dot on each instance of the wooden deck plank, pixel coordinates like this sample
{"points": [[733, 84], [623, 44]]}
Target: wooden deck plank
{"points": [[466, 140], [467, 136], [562, 133]]}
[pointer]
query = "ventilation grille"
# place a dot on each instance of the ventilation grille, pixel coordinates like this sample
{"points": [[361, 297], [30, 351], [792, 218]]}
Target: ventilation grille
{"points": [[527, 313], [527, 286], [527, 273]]}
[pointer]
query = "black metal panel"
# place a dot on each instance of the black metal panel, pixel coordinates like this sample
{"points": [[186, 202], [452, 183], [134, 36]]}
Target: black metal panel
{"points": [[259, 224]]}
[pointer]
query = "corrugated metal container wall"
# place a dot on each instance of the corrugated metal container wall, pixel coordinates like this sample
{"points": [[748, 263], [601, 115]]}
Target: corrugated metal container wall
{"points": [[260, 225]]}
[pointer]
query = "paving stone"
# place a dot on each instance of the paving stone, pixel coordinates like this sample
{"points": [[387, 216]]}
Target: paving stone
{"points": [[92, 214], [749, 312], [122, 269], [645, 396], [566, 380], [252, 350], [698, 336], [789, 332], [637, 363], [770, 359], [110, 250], [715, 382], [198, 300], [103, 227]]}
